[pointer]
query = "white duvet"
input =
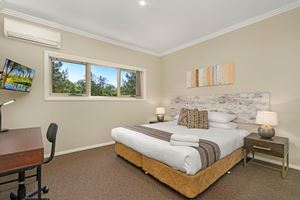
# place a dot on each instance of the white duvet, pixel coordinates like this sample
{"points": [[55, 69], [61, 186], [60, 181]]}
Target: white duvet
{"points": [[185, 159]]}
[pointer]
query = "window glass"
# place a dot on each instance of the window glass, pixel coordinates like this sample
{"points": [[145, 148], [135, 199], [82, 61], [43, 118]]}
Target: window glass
{"points": [[73, 76], [103, 81], [68, 77], [128, 83]]}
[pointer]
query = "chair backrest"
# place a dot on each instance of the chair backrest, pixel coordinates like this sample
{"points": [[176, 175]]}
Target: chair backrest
{"points": [[51, 137]]}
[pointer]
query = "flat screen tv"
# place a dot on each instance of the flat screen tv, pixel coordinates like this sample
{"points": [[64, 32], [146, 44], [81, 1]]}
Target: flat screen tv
{"points": [[15, 76]]}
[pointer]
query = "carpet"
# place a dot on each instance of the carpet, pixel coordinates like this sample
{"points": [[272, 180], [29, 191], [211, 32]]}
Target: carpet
{"points": [[98, 174]]}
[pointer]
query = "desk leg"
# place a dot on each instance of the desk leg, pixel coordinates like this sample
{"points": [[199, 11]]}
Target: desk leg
{"points": [[21, 188], [39, 177]]}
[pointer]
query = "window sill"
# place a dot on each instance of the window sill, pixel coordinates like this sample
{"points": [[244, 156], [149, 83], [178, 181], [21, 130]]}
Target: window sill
{"points": [[84, 98]]}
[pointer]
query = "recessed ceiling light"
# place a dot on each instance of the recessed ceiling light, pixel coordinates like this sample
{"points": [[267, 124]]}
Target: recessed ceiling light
{"points": [[142, 2]]}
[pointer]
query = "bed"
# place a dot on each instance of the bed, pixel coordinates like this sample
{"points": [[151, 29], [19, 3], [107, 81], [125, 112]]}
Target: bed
{"points": [[180, 166]]}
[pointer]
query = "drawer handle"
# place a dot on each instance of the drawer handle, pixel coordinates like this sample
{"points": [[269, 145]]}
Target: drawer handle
{"points": [[262, 148]]}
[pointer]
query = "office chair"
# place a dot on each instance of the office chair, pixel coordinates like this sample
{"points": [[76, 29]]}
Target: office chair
{"points": [[51, 137]]}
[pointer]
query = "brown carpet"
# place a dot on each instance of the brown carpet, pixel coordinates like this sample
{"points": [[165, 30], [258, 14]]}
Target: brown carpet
{"points": [[99, 174]]}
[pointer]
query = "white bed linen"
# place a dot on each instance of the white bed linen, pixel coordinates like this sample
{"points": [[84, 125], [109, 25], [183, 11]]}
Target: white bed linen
{"points": [[185, 159]]}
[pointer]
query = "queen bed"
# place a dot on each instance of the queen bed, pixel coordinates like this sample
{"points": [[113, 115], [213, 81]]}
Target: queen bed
{"points": [[183, 158], [180, 167]]}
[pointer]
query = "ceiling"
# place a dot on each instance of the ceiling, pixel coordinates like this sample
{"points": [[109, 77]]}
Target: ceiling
{"points": [[159, 27]]}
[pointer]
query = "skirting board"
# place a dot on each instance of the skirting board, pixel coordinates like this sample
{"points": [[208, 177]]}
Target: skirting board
{"points": [[258, 157], [59, 153], [262, 158]]}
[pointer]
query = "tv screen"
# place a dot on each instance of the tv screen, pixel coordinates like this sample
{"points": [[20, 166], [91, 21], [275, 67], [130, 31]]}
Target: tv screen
{"points": [[15, 76]]}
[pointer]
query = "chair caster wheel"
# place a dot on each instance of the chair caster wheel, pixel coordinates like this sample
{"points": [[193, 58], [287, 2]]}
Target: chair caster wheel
{"points": [[13, 196], [45, 190]]}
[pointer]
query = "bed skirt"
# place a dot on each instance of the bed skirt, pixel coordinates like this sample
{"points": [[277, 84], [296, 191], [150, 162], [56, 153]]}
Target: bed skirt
{"points": [[187, 185]]}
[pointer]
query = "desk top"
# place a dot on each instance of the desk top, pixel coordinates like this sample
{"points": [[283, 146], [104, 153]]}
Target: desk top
{"points": [[20, 140], [20, 148]]}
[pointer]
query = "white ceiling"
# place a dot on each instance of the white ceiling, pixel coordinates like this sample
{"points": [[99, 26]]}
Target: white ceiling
{"points": [[158, 27]]}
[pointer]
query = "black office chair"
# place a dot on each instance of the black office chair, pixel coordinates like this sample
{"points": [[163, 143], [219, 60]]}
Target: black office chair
{"points": [[51, 137]]}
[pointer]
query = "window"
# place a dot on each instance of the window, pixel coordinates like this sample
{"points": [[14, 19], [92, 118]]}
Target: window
{"points": [[68, 77], [128, 83], [71, 77], [103, 81]]}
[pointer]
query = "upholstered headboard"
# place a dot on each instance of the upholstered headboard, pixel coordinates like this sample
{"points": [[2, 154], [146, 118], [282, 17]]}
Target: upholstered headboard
{"points": [[243, 105]]}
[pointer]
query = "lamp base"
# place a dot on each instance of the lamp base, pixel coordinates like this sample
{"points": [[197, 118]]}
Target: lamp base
{"points": [[3, 130], [160, 118], [266, 132]]}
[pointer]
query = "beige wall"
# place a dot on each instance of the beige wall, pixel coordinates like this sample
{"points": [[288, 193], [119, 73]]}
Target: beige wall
{"points": [[267, 58], [82, 123]]}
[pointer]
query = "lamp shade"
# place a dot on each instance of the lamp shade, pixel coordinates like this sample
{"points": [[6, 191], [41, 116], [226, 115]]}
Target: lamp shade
{"points": [[266, 118], [160, 111]]}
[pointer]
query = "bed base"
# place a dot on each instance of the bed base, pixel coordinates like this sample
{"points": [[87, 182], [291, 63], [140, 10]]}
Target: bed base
{"points": [[189, 186]]}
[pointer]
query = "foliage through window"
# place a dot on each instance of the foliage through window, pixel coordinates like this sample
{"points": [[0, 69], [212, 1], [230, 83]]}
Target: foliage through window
{"points": [[68, 77], [103, 81], [128, 83], [73, 78]]}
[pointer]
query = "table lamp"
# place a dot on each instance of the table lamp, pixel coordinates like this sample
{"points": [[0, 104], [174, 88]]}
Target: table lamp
{"points": [[266, 120], [4, 104], [160, 112]]}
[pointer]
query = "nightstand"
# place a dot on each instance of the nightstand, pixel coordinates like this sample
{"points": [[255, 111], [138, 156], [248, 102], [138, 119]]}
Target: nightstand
{"points": [[276, 146], [155, 121]]}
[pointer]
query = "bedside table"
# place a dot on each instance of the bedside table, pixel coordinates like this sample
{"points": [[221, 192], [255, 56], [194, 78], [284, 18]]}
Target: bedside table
{"points": [[276, 146], [155, 121]]}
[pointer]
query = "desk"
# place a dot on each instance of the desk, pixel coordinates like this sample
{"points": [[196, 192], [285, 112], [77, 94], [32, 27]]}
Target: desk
{"points": [[20, 149]]}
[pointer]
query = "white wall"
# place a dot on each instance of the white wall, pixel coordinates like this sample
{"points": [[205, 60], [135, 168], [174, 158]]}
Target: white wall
{"points": [[81, 123], [265, 54], [266, 58]]}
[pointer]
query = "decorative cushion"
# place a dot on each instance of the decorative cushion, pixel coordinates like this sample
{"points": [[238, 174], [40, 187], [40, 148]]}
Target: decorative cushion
{"points": [[183, 117], [192, 118], [197, 119]]}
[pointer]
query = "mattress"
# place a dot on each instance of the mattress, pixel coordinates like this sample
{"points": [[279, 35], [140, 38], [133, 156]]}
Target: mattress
{"points": [[182, 158]]}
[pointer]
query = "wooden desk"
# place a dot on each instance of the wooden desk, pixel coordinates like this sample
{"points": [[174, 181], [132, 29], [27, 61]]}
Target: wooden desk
{"points": [[20, 149]]}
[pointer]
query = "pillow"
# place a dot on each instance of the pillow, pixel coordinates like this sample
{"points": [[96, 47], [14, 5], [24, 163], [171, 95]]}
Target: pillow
{"points": [[197, 119], [183, 117], [220, 117], [176, 117], [229, 125]]}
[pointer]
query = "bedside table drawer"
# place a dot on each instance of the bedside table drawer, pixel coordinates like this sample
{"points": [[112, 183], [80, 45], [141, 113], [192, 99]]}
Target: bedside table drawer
{"points": [[265, 147]]}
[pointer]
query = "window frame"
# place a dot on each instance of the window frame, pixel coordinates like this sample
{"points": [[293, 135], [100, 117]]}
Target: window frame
{"points": [[48, 95]]}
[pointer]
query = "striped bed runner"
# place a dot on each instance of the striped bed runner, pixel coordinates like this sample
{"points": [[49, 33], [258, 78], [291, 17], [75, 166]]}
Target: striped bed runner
{"points": [[208, 150]]}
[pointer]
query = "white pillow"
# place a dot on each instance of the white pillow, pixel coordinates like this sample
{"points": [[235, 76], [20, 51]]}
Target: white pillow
{"points": [[220, 117], [229, 125], [176, 117]]}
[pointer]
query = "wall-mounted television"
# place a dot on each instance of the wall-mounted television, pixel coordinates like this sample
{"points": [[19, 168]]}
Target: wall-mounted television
{"points": [[15, 76]]}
